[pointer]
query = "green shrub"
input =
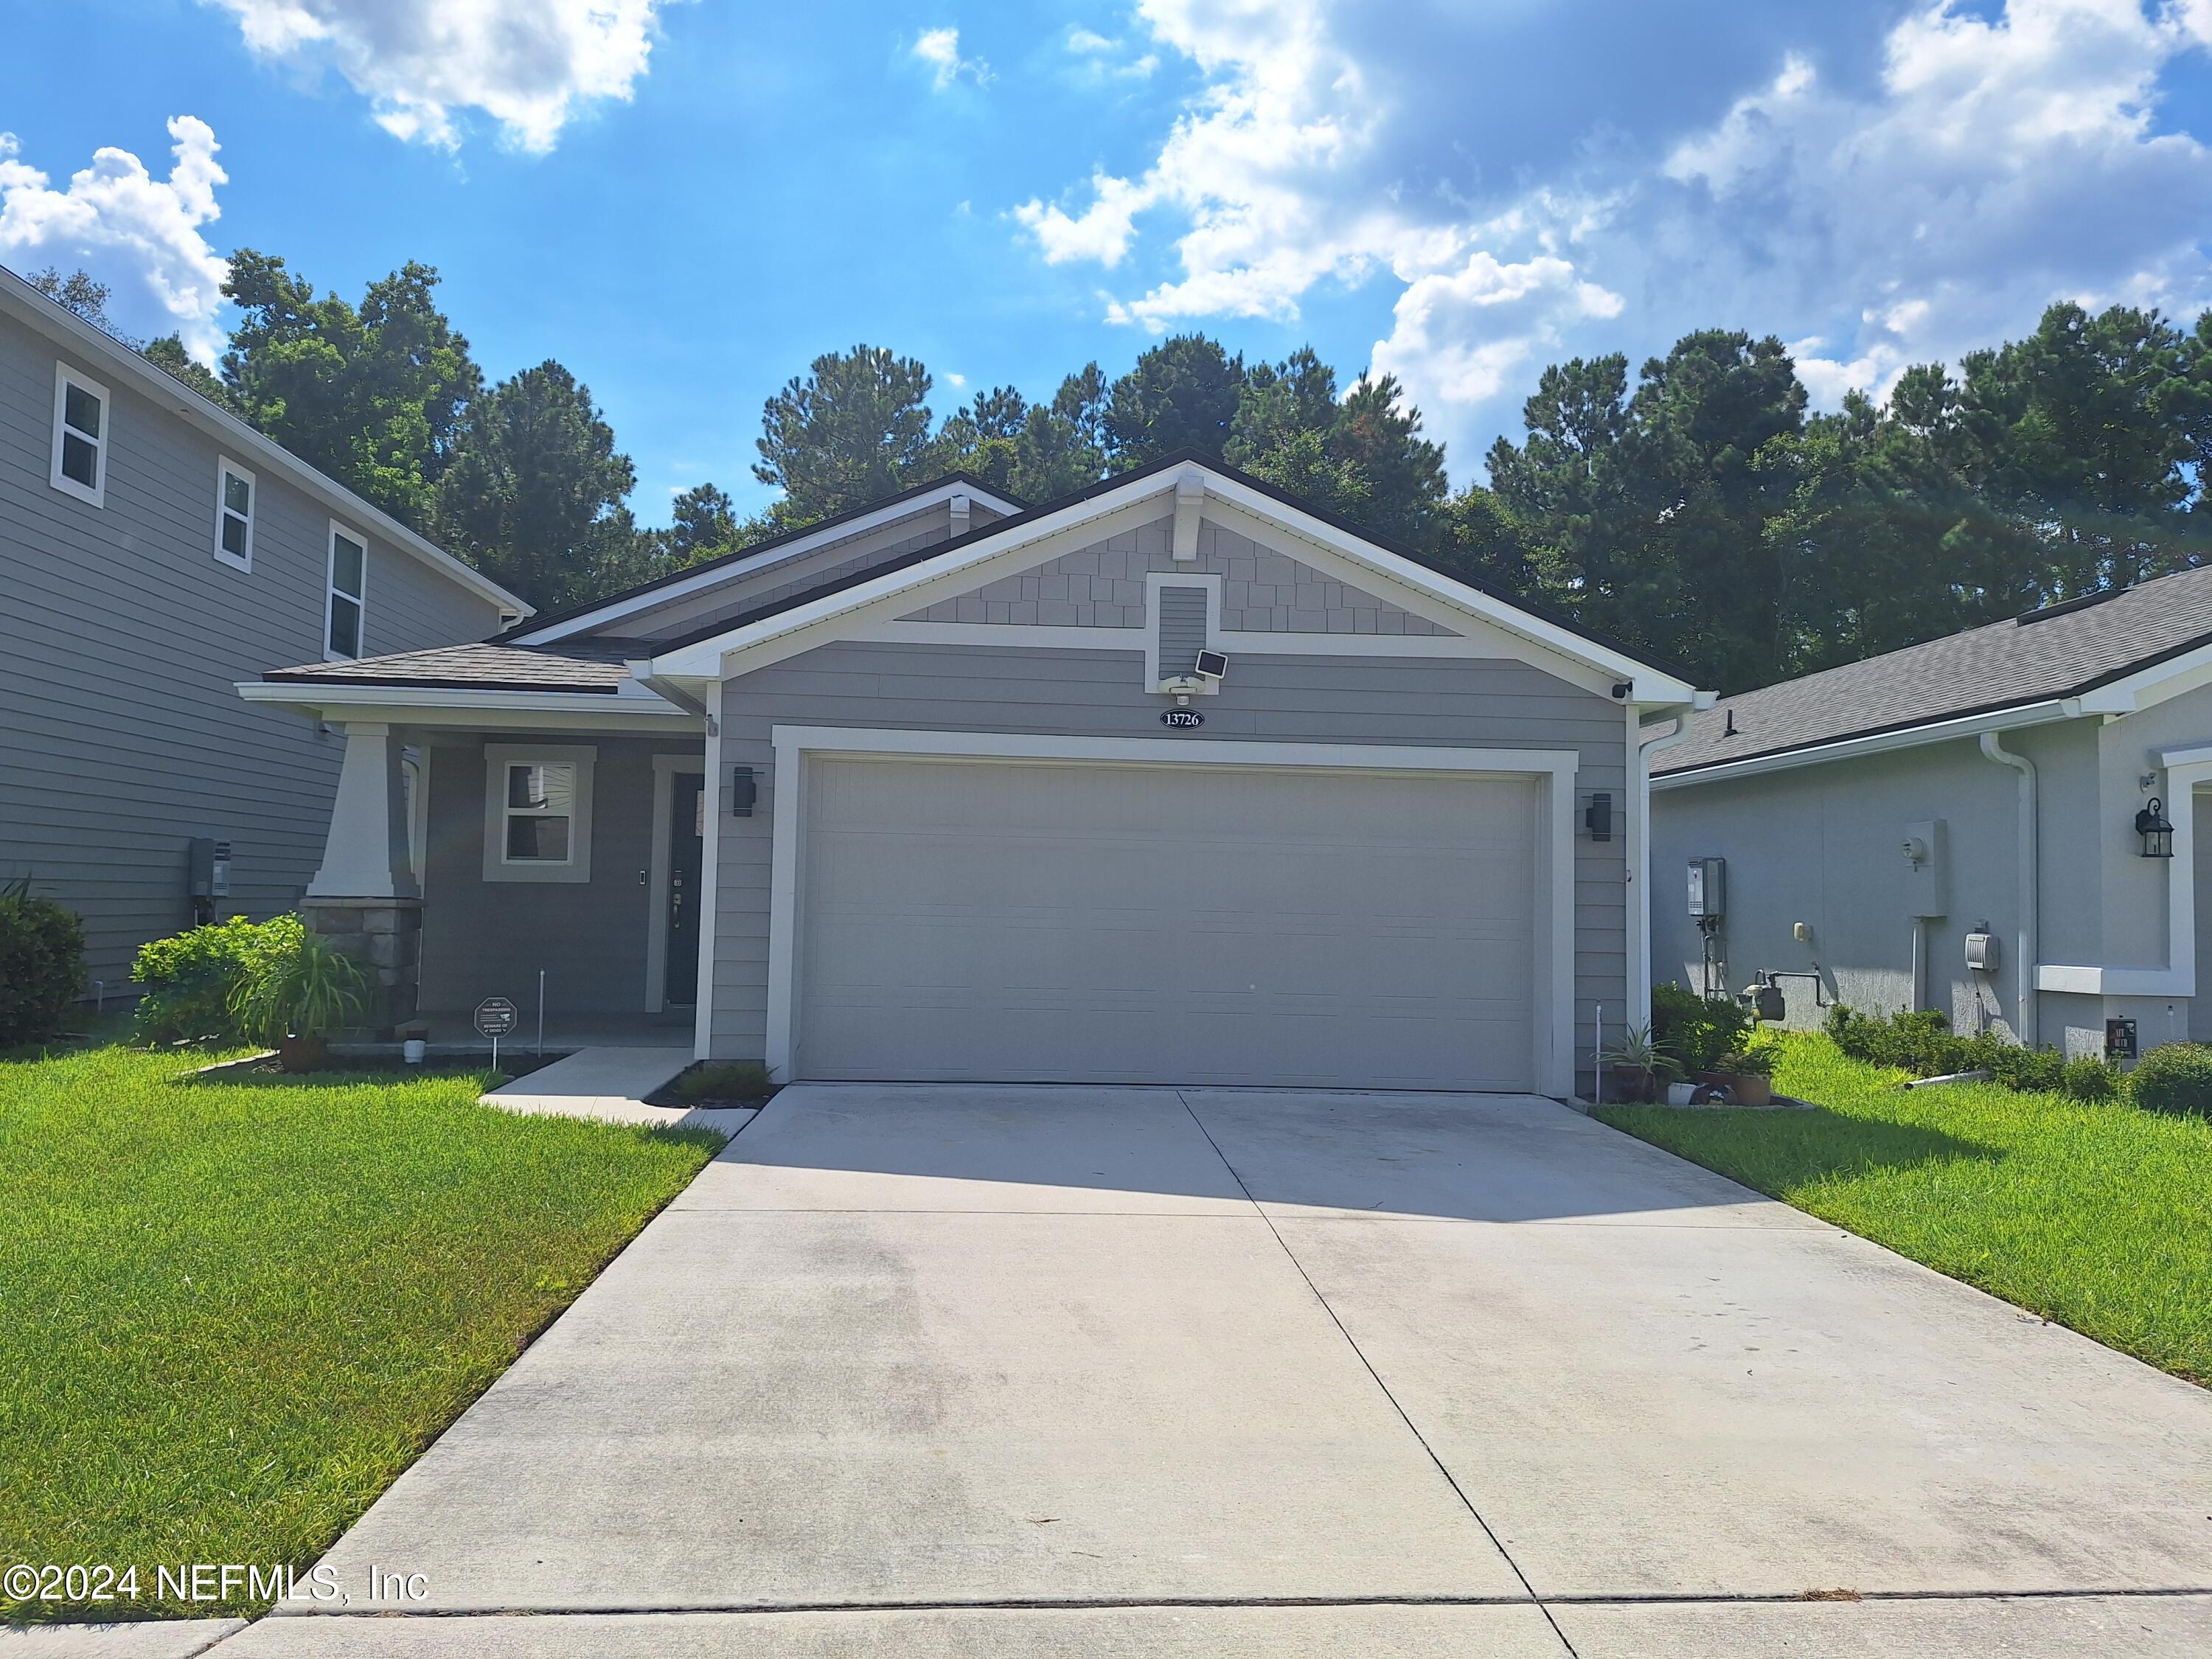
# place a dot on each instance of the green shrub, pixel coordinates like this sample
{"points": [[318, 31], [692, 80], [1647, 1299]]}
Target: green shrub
{"points": [[728, 1079], [2090, 1078], [1696, 1031], [2174, 1077], [41, 964], [188, 979], [305, 988]]}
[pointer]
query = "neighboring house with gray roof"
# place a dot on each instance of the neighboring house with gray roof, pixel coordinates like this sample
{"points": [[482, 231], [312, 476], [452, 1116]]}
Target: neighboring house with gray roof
{"points": [[1874, 817], [1175, 781], [153, 550]]}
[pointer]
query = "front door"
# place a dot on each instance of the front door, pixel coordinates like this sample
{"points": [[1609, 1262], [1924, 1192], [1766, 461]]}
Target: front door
{"points": [[687, 845]]}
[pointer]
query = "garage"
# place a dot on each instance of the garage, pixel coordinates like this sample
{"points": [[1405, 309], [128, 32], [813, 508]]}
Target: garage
{"points": [[975, 920]]}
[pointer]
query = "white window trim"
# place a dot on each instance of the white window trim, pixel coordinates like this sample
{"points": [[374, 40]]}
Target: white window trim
{"points": [[1553, 1034], [225, 467], [64, 378], [330, 594], [498, 756], [1155, 580]]}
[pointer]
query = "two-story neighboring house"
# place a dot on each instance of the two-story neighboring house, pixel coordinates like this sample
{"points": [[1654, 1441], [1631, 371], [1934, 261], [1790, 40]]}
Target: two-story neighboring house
{"points": [[153, 550]]}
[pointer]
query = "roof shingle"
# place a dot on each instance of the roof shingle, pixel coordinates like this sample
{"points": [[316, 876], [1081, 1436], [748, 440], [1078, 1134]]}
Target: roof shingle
{"points": [[2063, 651], [582, 665]]}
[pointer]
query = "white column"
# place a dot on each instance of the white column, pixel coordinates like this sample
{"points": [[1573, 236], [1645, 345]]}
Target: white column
{"points": [[367, 853]]}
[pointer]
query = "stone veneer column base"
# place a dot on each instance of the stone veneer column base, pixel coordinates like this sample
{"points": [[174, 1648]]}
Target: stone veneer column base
{"points": [[386, 936]]}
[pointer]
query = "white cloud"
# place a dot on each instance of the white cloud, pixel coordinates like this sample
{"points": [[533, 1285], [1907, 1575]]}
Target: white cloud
{"points": [[140, 234], [425, 64], [1101, 55], [1881, 210], [939, 50]]}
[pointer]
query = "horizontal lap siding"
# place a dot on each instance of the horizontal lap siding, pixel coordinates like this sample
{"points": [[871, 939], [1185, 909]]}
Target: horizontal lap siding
{"points": [[1437, 702], [121, 639]]}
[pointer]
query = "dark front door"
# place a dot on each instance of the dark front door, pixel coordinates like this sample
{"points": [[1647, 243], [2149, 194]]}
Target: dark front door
{"points": [[686, 858]]}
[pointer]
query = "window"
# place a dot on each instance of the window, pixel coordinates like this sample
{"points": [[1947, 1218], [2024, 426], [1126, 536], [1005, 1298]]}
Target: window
{"points": [[349, 585], [537, 812], [233, 514], [79, 463]]}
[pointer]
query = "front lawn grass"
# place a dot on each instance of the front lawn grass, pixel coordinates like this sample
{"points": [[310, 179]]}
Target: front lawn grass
{"points": [[232, 1311], [2099, 1217]]}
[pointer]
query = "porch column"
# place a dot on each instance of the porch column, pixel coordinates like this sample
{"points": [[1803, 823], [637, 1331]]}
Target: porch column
{"points": [[364, 899]]}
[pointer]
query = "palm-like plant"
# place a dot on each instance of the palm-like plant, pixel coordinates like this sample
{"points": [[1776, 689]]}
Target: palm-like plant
{"points": [[303, 993]]}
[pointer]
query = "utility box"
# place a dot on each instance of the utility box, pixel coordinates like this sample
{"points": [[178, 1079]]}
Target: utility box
{"points": [[1708, 888], [1927, 869], [207, 868]]}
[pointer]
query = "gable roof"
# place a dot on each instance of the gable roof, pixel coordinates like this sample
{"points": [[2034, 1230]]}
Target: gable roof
{"points": [[943, 557], [19, 300], [698, 578], [2065, 650]]}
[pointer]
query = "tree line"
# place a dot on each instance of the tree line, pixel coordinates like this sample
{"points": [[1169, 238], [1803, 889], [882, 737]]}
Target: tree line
{"points": [[1701, 512]]}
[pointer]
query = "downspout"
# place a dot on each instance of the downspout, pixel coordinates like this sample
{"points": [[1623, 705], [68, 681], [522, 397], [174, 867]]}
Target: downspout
{"points": [[1639, 991], [2025, 958]]}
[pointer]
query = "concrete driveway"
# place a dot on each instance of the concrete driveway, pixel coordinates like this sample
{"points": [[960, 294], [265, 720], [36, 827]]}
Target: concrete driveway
{"points": [[964, 1370]]}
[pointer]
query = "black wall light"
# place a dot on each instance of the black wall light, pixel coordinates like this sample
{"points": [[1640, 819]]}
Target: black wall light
{"points": [[1597, 816], [2157, 833], [744, 790]]}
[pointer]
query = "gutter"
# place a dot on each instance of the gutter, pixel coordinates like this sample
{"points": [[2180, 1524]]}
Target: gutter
{"points": [[2043, 713], [1639, 992]]}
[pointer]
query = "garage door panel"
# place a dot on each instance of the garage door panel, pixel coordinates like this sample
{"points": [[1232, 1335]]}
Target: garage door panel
{"points": [[1165, 924]]}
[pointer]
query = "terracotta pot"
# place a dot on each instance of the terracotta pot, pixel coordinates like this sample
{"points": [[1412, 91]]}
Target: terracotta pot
{"points": [[1751, 1088], [303, 1054]]}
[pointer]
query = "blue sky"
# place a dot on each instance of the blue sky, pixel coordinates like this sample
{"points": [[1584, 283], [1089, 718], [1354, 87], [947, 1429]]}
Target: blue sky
{"points": [[686, 202]]}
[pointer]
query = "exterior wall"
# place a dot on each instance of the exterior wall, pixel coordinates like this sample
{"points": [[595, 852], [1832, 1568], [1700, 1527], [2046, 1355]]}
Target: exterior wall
{"points": [[1352, 699], [1103, 585], [1821, 845], [485, 938], [121, 637], [781, 577]]}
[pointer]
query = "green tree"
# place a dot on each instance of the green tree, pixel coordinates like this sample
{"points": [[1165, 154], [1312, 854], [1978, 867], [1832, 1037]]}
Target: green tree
{"points": [[1181, 394], [374, 397], [84, 293], [1034, 451], [534, 495], [852, 430], [169, 355]]}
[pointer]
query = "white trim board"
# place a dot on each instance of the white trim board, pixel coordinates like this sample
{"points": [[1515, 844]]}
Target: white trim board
{"points": [[706, 581], [477, 710], [1142, 500], [1552, 1034]]}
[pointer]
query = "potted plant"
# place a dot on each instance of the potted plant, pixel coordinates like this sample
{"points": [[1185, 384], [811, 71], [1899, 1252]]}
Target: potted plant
{"points": [[1749, 1074], [292, 1000], [1638, 1065]]}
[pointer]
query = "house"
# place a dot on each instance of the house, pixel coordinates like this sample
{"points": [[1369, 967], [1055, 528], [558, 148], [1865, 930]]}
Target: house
{"points": [[1175, 781], [1969, 825], [152, 549]]}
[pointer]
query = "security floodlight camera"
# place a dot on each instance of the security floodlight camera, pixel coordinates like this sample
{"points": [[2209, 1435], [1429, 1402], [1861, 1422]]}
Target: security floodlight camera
{"points": [[1211, 666]]}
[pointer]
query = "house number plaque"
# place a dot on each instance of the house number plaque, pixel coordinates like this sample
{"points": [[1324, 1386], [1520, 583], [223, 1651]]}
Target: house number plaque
{"points": [[1184, 719]]}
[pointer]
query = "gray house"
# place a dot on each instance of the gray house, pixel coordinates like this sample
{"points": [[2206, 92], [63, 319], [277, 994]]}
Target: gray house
{"points": [[152, 549], [1172, 781], [1973, 824]]}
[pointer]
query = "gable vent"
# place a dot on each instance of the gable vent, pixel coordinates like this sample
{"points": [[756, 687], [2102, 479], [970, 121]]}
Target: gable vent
{"points": [[1181, 623]]}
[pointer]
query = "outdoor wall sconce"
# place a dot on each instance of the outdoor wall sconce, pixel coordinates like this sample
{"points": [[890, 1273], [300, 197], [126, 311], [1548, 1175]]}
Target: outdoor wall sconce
{"points": [[745, 790], [2157, 833]]}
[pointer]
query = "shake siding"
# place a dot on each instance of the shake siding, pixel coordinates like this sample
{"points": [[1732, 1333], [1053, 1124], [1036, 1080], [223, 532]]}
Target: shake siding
{"points": [[121, 637], [1364, 700]]}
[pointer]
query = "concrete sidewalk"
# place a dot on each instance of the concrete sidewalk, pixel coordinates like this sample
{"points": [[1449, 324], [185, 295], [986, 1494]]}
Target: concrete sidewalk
{"points": [[610, 1086], [1012, 1371]]}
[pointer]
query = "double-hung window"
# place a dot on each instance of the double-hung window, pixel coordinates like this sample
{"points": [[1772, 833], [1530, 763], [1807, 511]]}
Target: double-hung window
{"points": [[537, 812], [233, 514], [80, 453], [342, 617]]}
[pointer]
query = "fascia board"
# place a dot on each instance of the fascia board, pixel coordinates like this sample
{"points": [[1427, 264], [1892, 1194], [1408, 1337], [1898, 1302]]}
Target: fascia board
{"points": [[1879, 743]]}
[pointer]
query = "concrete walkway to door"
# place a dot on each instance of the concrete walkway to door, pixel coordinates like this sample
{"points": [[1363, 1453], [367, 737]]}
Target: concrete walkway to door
{"points": [[1011, 1371]]}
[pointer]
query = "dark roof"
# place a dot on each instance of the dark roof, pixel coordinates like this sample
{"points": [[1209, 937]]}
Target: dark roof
{"points": [[2061, 651], [758, 551], [584, 665], [589, 663], [1165, 463]]}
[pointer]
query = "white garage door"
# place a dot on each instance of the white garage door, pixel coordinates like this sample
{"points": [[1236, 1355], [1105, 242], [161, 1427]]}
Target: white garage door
{"points": [[1038, 921]]}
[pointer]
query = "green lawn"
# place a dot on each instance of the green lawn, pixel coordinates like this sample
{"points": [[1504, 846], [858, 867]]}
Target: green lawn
{"points": [[232, 1311], [2098, 1217]]}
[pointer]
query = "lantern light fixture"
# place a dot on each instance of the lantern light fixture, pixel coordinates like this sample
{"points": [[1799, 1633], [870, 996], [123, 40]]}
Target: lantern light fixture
{"points": [[2157, 833]]}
